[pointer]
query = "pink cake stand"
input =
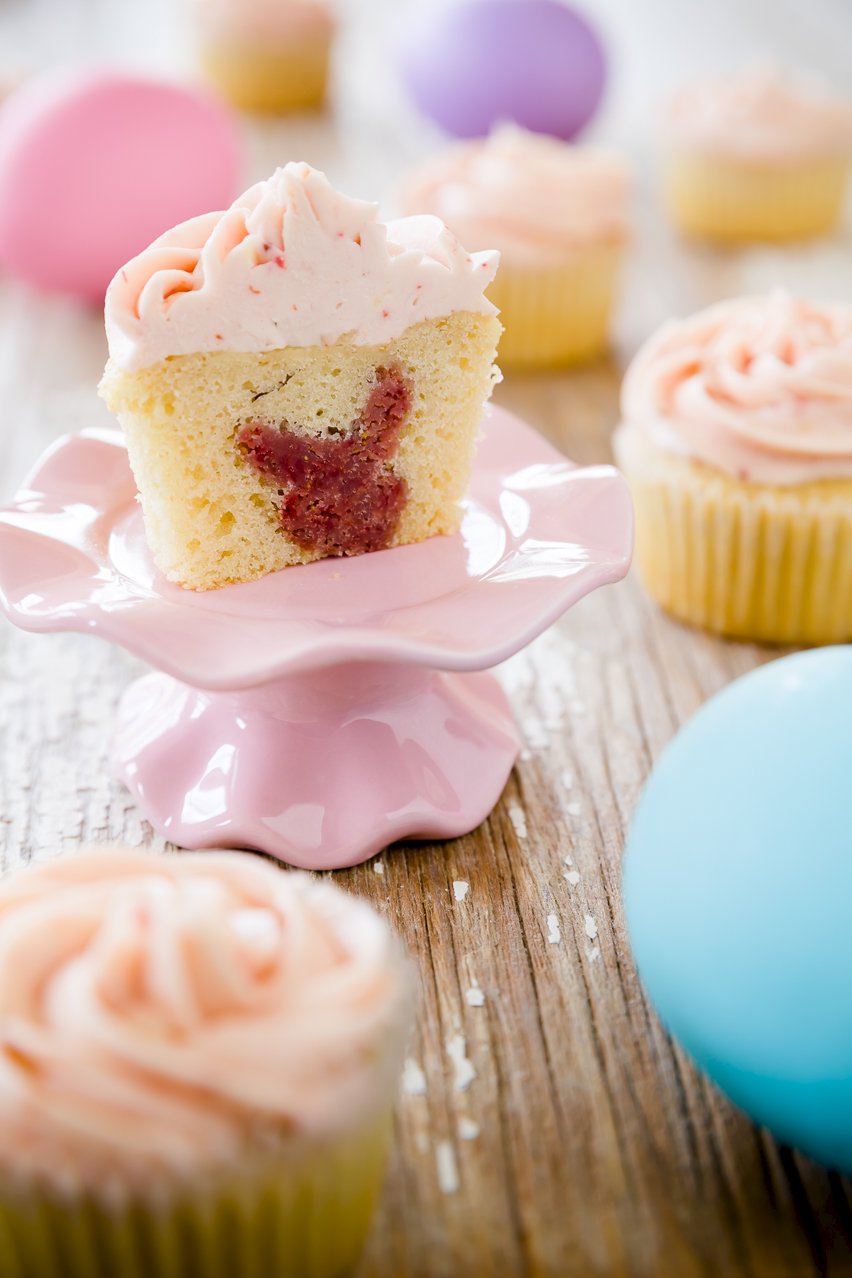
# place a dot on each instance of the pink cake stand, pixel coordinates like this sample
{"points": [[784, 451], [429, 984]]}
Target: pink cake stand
{"points": [[329, 710]]}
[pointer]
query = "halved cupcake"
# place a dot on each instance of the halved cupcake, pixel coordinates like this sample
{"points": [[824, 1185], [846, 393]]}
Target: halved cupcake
{"points": [[297, 380]]}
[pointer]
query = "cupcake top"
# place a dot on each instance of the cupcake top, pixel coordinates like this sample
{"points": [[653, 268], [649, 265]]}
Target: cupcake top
{"points": [[760, 114], [532, 196], [259, 21], [291, 263], [757, 387], [162, 1016]]}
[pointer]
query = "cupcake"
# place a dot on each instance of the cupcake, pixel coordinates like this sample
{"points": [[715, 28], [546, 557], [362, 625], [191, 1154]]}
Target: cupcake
{"points": [[558, 215], [736, 440], [198, 1062], [756, 156], [265, 55], [297, 380]]}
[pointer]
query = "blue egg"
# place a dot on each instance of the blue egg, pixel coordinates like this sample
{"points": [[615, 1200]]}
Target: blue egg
{"points": [[738, 893]]}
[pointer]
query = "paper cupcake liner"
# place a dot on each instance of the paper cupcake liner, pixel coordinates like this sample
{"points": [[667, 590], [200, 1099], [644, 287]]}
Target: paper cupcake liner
{"points": [[559, 314], [749, 561], [724, 200], [290, 1221], [268, 80]]}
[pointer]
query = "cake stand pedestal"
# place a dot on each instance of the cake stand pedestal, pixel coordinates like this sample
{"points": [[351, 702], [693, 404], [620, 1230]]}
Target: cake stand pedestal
{"points": [[327, 710]]}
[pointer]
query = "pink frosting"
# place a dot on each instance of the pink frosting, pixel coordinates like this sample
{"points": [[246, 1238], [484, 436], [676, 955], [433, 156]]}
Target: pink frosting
{"points": [[259, 21], [159, 1015], [291, 263], [760, 114], [758, 387], [532, 196]]}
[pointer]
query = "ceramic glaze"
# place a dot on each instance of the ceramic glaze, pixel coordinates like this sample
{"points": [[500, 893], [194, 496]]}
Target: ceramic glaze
{"points": [[323, 711]]}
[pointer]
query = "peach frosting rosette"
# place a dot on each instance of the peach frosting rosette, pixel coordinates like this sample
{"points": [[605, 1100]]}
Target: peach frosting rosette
{"points": [[558, 215], [293, 262], [760, 113], [163, 1017], [736, 440], [758, 387]]}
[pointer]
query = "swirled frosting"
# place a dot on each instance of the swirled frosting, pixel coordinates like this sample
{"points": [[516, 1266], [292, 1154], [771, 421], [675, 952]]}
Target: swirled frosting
{"points": [[758, 387], [162, 1016], [532, 196], [760, 114], [291, 263], [258, 21]]}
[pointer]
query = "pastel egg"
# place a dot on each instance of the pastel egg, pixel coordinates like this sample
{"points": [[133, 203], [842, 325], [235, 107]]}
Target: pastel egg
{"points": [[738, 894], [95, 165], [472, 64]]}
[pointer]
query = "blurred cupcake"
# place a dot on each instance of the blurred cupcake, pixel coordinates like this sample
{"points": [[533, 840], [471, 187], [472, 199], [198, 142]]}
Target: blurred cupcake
{"points": [[756, 156], [198, 1058], [737, 443], [558, 214], [265, 55]]}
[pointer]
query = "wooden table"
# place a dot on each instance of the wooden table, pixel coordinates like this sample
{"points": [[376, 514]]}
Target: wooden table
{"points": [[548, 1126]]}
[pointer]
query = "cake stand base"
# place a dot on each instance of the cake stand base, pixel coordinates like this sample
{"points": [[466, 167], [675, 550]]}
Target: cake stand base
{"points": [[321, 769]]}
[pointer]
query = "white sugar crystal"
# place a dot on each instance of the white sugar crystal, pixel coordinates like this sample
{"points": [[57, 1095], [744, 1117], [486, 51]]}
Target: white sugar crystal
{"points": [[460, 889], [591, 927], [474, 997], [468, 1129], [554, 935], [378, 867], [572, 877], [413, 1079], [448, 1172], [462, 1067], [518, 819]]}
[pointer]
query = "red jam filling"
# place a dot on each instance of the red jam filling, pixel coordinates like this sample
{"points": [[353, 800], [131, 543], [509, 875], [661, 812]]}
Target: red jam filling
{"points": [[339, 495]]}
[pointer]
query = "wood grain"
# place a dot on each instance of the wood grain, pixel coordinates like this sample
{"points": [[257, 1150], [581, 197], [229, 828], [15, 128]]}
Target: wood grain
{"points": [[585, 1143]]}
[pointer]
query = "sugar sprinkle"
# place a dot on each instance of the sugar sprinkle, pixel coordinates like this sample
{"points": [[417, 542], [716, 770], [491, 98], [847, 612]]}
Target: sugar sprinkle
{"points": [[448, 1172], [518, 819], [413, 1079], [463, 1068]]}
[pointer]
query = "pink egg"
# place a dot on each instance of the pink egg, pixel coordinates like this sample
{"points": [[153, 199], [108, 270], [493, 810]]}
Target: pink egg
{"points": [[95, 165]]}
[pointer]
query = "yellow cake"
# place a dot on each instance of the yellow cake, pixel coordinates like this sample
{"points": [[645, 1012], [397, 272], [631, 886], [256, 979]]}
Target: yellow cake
{"points": [[558, 215], [756, 156], [269, 56], [296, 380], [736, 441]]}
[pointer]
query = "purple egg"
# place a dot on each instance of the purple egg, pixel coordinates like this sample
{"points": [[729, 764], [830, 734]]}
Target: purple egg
{"points": [[474, 63]]}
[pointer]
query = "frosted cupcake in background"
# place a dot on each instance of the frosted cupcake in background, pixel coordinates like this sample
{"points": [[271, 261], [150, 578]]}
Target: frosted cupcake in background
{"points": [[199, 1060], [559, 216], [758, 155], [265, 55], [736, 440]]}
